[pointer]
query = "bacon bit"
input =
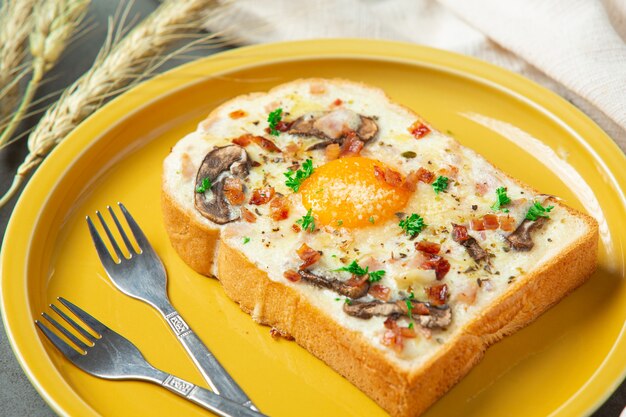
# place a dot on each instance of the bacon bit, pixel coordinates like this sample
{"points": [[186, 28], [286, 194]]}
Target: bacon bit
{"points": [[247, 215], [262, 195], [317, 89], [380, 291], [451, 171], [277, 334], [477, 224], [233, 190], [459, 233], [420, 309], [491, 221], [292, 275], [394, 335], [410, 182], [481, 189], [407, 333], [419, 130], [428, 247], [309, 255], [425, 176], [357, 281], [279, 208], [507, 223], [351, 145], [296, 228], [243, 140], [187, 167], [388, 175], [283, 126], [337, 102], [332, 151], [266, 144], [437, 294], [237, 114], [438, 264]]}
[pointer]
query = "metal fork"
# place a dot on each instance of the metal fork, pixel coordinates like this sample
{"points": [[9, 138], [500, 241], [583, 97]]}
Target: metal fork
{"points": [[114, 357], [142, 276]]}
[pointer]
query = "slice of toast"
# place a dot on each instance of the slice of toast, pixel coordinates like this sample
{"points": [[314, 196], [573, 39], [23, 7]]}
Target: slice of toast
{"points": [[382, 246]]}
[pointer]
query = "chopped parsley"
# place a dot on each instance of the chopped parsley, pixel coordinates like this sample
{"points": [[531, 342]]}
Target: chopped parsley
{"points": [[440, 184], [348, 301], [409, 308], [246, 239], [354, 268], [307, 221], [376, 276], [371, 219], [413, 224], [205, 185], [273, 118], [502, 199], [410, 325], [295, 179], [339, 222], [537, 210]]}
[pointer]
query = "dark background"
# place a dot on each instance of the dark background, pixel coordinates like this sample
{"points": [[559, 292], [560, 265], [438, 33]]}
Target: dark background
{"points": [[17, 396]]}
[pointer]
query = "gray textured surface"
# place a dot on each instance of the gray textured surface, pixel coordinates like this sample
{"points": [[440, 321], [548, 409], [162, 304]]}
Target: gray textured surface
{"points": [[17, 396]]}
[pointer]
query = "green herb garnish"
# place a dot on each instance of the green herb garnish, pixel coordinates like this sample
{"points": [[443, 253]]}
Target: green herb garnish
{"points": [[371, 219], [440, 184], [354, 268], [376, 276], [413, 224], [246, 239], [502, 199], [273, 118], [537, 210], [409, 307], [307, 221], [348, 301], [295, 179], [339, 222], [205, 185]]}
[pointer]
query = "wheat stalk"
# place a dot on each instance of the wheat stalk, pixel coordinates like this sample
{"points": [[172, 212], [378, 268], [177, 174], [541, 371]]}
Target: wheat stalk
{"points": [[54, 23], [15, 25], [118, 65]]}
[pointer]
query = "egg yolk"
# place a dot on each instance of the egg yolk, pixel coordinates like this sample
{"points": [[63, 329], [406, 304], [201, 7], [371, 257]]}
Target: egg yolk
{"points": [[346, 192]]}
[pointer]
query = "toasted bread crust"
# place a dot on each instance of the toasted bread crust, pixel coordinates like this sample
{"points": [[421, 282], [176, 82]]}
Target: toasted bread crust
{"points": [[403, 393], [194, 242]]}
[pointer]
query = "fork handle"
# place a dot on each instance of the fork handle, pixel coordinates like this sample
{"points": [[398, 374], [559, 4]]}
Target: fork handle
{"points": [[207, 399], [213, 372]]}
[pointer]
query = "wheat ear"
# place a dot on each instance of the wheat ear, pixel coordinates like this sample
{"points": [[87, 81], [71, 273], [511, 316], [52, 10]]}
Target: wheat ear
{"points": [[118, 65], [15, 25], [55, 22]]}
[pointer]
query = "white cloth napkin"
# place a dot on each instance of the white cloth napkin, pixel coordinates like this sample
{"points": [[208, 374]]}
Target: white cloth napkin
{"points": [[574, 47]]}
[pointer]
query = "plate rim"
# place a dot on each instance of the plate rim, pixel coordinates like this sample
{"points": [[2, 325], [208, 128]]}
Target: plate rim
{"points": [[598, 144]]}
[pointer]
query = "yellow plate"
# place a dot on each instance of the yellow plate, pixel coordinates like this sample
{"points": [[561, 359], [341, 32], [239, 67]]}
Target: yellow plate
{"points": [[564, 364]]}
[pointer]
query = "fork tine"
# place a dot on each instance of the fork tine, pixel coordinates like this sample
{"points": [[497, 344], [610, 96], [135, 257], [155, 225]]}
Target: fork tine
{"points": [[72, 323], [121, 230], [141, 239], [116, 248], [65, 332], [84, 316], [101, 249], [66, 349]]}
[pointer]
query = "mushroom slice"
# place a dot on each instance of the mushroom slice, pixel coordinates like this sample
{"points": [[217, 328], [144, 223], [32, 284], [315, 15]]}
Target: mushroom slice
{"points": [[342, 288], [521, 238], [219, 164], [427, 315], [474, 250], [334, 126]]}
